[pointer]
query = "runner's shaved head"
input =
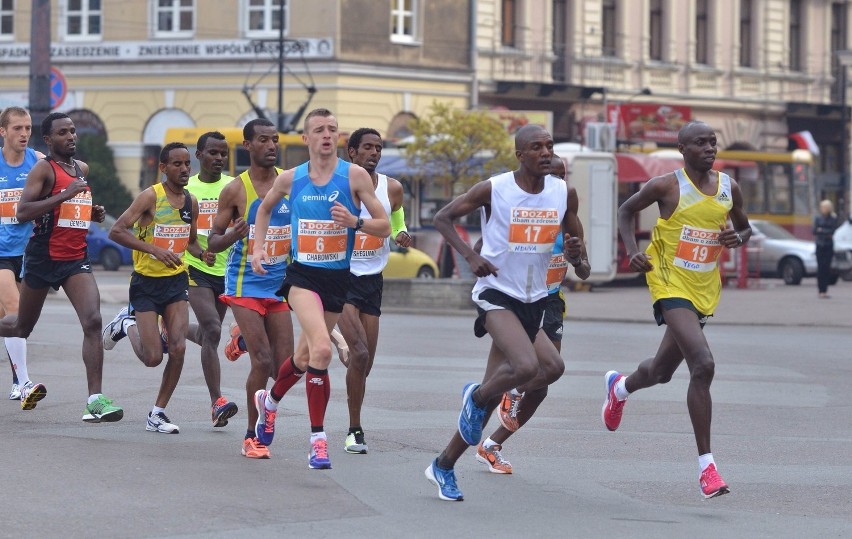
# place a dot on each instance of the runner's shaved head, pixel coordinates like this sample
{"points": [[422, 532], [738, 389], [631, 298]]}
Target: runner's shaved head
{"points": [[525, 134], [687, 131]]}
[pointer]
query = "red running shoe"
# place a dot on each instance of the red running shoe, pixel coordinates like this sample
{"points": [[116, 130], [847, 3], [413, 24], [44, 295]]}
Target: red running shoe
{"points": [[711, 484], [612, 407]]}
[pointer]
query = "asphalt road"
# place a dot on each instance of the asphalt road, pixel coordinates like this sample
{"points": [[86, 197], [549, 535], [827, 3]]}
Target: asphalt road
{"points": [[781, 439]]}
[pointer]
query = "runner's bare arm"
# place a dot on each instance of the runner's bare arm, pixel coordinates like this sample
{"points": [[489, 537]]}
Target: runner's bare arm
{"points": [[38, 185], [574, 244], [222, 233], [654, 191], [741, 232], [362, 187], [141, 211], [192, 247], [280, 188], [479, 195]]}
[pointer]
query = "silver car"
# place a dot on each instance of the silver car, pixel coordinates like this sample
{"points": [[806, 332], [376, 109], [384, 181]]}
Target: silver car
{"points": [[778, 253]]}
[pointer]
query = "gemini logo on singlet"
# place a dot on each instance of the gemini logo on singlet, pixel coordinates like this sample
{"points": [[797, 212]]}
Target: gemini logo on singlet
{"points": [[321, 198]]}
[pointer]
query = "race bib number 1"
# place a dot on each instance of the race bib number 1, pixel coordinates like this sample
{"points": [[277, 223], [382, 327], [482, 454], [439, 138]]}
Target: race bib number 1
{"points": [[173, 238], [9, 199], [77, 212], [321, 241], [533, 230], [206, 212], [697, 249]]}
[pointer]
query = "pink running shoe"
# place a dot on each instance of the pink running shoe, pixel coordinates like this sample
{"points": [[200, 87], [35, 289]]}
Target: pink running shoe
{"points": [[612, 407], [711, 484]]}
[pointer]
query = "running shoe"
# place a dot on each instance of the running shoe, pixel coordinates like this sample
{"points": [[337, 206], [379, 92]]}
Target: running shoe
{"points": [[102, 410], [711, 484], [355, 443], [492, 457], [164, 335], [471, 416], [232, 348], [30, 394], [510, 405], [264, 429], [114, 331], [254, 449], [612, 407], [15, 393], [222, 411], [318, 457], [160, 423], [445, 480]]}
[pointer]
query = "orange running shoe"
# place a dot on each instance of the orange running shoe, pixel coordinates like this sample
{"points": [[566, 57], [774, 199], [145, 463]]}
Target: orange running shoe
{"points": [[232, 349], [510, 405], [254, 449], [492, 457]]}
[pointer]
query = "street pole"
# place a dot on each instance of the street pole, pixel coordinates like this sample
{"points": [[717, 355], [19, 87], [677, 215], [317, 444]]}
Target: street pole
{"points": [[39, 89], [281, 65]]}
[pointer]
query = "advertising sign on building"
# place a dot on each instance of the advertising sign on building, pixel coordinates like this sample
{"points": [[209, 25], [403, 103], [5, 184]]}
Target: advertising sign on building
{"points": [[649, 121]]}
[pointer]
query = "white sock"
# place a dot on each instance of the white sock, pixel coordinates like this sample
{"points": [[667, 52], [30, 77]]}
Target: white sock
{"points": [[17, 348], [317, 435], [704, 461], [93, 397], [126, 323], [621, 392], [271, 404], [488, 443], [156, 410]]}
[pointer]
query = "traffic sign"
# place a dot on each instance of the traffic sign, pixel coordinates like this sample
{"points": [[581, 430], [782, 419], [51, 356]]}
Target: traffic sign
{"points": [[58, 87]]}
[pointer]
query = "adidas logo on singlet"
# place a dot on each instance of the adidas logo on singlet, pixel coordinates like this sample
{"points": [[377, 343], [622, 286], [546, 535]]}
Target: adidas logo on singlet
{"points": [[283, 209], [723, 196]]}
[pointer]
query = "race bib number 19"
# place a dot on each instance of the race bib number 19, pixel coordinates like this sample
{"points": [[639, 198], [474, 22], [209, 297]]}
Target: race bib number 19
{"points": [[697, 249], [77, 212], [533, 230], [9, 199], [321, 241]]}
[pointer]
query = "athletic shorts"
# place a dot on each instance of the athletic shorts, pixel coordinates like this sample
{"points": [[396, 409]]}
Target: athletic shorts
{"points": [[674, 303], [156, 293], [365, 293], [15, 264], [205, 280], [529, 314], [554, 313], [52, 273], [262, 306], [329, 284]]}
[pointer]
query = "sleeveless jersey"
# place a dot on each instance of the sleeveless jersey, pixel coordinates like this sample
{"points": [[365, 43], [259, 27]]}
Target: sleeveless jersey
{"points": [[370, 255], [518, 237], [685, 247], [317, 240], [14, 235], [207, 195], [169, 229], [61, 232], [240, 280]]}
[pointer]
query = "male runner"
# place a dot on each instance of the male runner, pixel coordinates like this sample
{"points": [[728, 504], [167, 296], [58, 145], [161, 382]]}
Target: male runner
{"points": [[263, 317], [681, 268], [517, 407], [325, 194], [359, 322], [163, 219], [58, 200], [16, 160], [523, 212]]}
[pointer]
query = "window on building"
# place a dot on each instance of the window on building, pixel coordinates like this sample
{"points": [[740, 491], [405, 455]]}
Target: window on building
{"points": [[655, 27], [560, 39], [608, 28], [838, 43], [702, 33], [7, 19], [404, 21], [83, 19], [796, 34], [263, 17], [746, 48], [507, 34], [174, 18]]}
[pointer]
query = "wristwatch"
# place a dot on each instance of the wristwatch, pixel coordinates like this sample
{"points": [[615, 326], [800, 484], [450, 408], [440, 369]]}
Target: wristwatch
{"points": [[359, 224], [739, 239]]}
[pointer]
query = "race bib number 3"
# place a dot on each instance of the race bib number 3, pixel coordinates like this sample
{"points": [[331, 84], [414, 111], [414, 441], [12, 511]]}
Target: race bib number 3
{"points": [[77, 212], [321, 241], [277, 245], [533, 230], [367, 246], [206, 212], [173, 238], [697, 249], [556, 270], [9, 199]]}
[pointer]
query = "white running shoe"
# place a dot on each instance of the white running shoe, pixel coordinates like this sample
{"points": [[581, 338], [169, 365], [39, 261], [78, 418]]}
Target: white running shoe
{"points": [[15, 393], [114, 332], [160, 423]]}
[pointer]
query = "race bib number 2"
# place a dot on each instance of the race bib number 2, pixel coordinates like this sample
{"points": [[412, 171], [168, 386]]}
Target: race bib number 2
{"points": [[697, 249], [9, 199], [173, 238], [77, 212], [533, 230], [321, 241]]}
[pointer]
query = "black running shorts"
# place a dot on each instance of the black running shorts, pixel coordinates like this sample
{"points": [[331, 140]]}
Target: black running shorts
{"points": [[365, 293], [329, 284], [529, 314], [156, 293]]}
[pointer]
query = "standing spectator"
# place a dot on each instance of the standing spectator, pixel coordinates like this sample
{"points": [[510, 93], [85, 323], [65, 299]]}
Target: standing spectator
{"points": [[824, 226]]}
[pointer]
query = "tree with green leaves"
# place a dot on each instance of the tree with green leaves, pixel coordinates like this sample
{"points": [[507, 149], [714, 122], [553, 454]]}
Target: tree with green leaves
{"points": [[459, 147], [107, 188]]}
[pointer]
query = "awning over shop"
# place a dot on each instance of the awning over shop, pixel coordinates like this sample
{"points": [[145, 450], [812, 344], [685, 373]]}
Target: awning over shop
{"points": [[637, 167]]}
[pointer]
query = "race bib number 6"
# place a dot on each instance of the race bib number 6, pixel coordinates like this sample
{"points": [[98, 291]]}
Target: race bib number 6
{"points": [[533, 230], [77, 212], [321, 241], [697, 249]]}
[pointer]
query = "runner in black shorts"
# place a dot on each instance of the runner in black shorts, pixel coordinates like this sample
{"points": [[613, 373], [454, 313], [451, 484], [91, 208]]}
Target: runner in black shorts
{"points": [[157, 293], [205, 280], [365, 294], [15, 264]]}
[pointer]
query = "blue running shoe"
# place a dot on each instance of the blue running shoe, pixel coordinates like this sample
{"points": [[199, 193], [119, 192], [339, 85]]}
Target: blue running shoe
{"points": [[318, 458], [445, 480], [471, 416], [264, 429]]}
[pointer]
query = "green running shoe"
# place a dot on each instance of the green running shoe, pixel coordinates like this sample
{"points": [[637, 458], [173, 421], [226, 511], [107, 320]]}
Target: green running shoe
{"points": [[102, 410]]}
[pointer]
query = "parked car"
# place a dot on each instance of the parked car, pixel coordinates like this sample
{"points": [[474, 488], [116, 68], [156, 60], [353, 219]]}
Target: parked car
{"points": [[781, 254], [103, 250], [409, 263], [843, 249]]}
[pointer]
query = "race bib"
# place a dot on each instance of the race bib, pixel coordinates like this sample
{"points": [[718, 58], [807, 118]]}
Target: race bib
{"points": [[77, 212], [173, 238], [277, 244], [367, 246], [9, 199], [556, 270], [533, 230], [697, 249], [206, 212], [321, 241]]}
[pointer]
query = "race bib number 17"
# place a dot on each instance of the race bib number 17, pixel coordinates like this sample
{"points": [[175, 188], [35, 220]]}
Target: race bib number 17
{"points": [[533, 230]]}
